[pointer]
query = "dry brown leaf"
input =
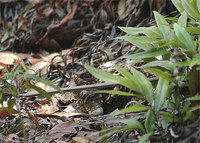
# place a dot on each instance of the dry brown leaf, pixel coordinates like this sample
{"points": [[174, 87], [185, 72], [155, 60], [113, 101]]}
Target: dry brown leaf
{"points": [[61, 129], [40, 66], [9, 58], [48, 110], [80, 140], [43, 102], [33, 60], [123, 10], [4, 111], [34, 119], [51, 56]]}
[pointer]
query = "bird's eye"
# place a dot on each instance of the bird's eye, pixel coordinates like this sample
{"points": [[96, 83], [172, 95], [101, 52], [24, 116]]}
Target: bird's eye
{"points": [[88, 75]]}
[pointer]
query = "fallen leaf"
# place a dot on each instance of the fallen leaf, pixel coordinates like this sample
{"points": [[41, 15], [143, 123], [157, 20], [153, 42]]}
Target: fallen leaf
{"points": [[34, 119], [40, 66], [60, 114], [61, 129], [51, 56], [48, 110], [124, 9], [9, 58], [80, 140], [4, 111]]}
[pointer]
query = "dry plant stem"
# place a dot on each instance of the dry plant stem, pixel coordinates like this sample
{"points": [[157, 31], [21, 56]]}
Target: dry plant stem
{"points": [[19, 112], [21, 119]]}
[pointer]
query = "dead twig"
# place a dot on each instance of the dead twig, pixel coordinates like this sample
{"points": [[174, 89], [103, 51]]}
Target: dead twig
{"points": [[78, 88]]}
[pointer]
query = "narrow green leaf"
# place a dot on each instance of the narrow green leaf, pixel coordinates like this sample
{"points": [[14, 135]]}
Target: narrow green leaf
{"points": [[184, 38], [198, 5], [133, 124], [191, 9], [163, 25], [146, 85], [130, 79], [151, 32], [144, 43], [16, 71], [195, 30], [1, 95], [41, 91], [182, 21], [185, 63], [133, 108], [194, 98], [145, 138], [163, 63], [108, 77], [14, 90], [169, 117], [178, 5], [147, 54], [162, 91], [45, 81], [162, 74], [11, 104], [105, 76], [148, 40], [117, 92], [150, 121]]}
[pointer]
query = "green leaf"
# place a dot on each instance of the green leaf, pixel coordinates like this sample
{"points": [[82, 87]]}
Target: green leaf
{"points": [[164, 63], [117, 92], [141, 39], [178, 5], [194, 81], [188, 115], [11, 104], [151, 32], [186, 106], [195, 30], [133, 108], [108, 77], [41, 91], [105, 76], [133, 124], [182, 21], [162, 91], [198, 5], [16, 71], [184, 38], [14, 90], [146, 85], [147, 54], [130, 79], [169, 117], [185, 63], [191, 9], [193, 98], [145, 138], [150, 121], [162, 74], [1, 95], [45, 81], [163, 25]]}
